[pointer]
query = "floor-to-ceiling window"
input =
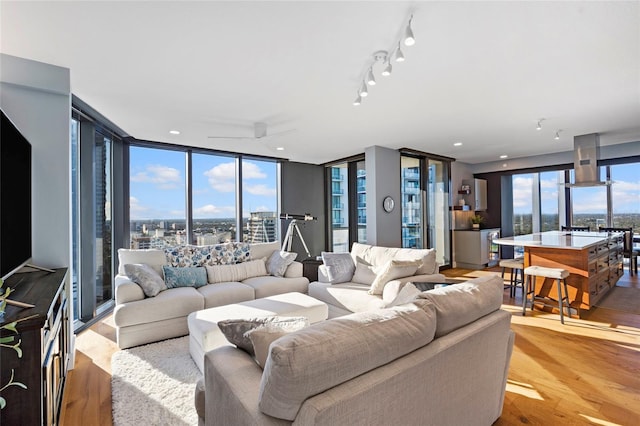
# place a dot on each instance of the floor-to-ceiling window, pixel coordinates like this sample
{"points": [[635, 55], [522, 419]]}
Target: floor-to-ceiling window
{"points": [[411, 192], [347, 184], [157, 216], [438, 236], [339, 223], [522, 186], [259, 201], [361, 207], [75, 217], [589, 204], [625, 203], [103, 223], [550, 191]]}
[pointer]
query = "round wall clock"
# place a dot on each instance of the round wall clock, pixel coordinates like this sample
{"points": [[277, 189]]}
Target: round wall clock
{"points": [[388, 204]]}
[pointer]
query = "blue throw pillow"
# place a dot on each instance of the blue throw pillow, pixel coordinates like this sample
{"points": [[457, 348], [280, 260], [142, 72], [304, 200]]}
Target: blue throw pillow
{"points": [[190, 276]]}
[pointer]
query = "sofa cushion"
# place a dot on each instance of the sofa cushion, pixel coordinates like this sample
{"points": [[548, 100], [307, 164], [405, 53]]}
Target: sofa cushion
{"points": [[154, 258], [221, 294], [262, 337], [235, 330], [146, 277], [377, 255], [460, 304], [278, 261], [393, 269], [340, 266], [168, 304], [269, 285], [188, 276], [237, 272], [364, 273], [323, 355], [352, 297], [260, 250]]}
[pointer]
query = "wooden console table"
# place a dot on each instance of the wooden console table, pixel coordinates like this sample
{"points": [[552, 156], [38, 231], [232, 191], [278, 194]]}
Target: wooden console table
{"points": [[593, 259], [45, 349]]}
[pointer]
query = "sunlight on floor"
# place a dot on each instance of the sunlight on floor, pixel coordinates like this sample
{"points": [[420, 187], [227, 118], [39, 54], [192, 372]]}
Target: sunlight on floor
{"points": [[523, 389], [599, 421], [92, 345]]}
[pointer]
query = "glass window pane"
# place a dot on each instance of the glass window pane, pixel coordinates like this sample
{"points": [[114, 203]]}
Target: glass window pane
{"points": [[214, 199], [361, 188], [549, 190], [259, 201], [157, 197], [626, 196], [102, 203], [522, 204], [75, 218], [438, 210], [339, 208], [411, 202]]}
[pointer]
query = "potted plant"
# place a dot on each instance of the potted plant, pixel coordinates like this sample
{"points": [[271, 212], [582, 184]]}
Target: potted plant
{"points": [[476, 220]]}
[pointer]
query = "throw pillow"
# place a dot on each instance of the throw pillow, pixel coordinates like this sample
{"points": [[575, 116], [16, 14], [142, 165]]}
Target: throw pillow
{"points": [[237, 272], [190, 276], [364, 274], [235, 330], [393, 269], [279, 261], [407, 292], [340, 267], [146, 277], [262, 337]]}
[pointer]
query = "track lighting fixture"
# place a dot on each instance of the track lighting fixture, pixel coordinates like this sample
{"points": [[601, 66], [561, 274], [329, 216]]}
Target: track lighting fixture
{"points": [[557, 136], [371, 81], [408, 34], [399, 55], [539, 126], [364, 92], [384, 57]]}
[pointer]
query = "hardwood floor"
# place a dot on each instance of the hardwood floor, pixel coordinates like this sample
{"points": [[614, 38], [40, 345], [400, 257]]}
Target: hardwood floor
{"points": [[585, 372]]}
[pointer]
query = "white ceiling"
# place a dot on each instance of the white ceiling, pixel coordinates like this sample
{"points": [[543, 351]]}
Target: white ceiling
{"points": [[480, 73]]}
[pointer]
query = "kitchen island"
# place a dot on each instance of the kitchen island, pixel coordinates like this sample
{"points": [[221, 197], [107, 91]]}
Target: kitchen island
{"points": [[593, 259]]}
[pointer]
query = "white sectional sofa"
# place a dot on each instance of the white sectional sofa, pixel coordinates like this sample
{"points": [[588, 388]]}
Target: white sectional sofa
{"points": [[442, 360], [141, 319], [350, 296]]}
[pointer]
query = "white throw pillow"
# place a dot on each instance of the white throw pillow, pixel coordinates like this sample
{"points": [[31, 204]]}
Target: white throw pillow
{"points": [[364, 274], [393, 269], [279, 261], [340, 267], [237, 272], [407, 293]]}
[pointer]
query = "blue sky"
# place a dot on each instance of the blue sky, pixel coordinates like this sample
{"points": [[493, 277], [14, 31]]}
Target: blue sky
{"points": [[625, 190], [158, 185]]}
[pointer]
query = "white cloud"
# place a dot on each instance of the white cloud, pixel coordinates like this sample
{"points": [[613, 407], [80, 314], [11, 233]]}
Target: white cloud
{"points": [[222, 177], [162, 176], [252, 171], [210, 210], [522, 195], [262, 209], [260, 189]]}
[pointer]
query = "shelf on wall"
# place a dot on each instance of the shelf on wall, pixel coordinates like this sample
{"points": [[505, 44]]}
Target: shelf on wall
{"points": [[466, 207]]}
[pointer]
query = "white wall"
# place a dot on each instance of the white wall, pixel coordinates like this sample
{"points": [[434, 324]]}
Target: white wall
{"points": [[383, 179]]}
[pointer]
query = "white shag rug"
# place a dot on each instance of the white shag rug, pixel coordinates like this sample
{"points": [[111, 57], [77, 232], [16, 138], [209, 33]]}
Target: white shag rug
{"points": [[154, 385]]}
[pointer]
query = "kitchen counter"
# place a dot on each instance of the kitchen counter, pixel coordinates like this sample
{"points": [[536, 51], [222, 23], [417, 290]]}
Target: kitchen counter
{"points": [[593, 259]]}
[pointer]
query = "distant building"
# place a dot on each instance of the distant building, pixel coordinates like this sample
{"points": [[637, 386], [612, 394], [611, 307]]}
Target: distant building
{"points": [[261, 227], [207, 239]]}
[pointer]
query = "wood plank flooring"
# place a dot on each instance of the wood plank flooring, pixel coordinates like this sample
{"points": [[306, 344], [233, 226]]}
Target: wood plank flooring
{"points": [[585, 372]]}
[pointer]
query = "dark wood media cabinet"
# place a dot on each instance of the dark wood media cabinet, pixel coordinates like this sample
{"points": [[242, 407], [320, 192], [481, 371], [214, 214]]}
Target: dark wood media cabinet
{"points": [[45, 349]]}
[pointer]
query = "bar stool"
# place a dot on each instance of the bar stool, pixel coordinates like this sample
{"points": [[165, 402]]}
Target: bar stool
{"points": [[556, 273], [516, 266]]}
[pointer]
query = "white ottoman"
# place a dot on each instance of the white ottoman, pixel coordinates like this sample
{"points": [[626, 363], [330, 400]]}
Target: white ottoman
{"points": [[205, 335]]}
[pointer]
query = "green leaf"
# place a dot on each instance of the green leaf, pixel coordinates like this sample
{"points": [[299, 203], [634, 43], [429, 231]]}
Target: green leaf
{"points": [[7, 339], [3, 403], [11, 326], [18, 350], [21, 385]]}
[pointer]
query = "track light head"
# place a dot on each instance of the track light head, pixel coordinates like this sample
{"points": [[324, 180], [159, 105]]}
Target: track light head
{"points": [[399, 55], [364, 92], [557, 136], [408, 34], [371, 81], [387, 70], [539, 126], [358, 100]]}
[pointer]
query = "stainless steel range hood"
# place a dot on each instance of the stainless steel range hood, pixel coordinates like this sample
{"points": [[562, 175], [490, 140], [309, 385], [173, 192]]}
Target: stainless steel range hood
{"points": [[586, 151]]}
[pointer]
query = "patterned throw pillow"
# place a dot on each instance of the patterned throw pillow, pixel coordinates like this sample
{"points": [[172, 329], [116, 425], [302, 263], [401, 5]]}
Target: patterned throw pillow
{"points": [[146, 277], [340, 267], [184, 277], [235, 330], [279, 261], [218, 254]]}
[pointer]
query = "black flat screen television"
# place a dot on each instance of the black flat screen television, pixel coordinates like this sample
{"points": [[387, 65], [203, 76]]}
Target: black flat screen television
{"points": [[15, 198]]}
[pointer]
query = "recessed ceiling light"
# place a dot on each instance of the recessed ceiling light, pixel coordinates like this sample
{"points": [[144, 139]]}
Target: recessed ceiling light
{"points": [[457, 144], [504, 164], [280, 148], [174, 132], [504, 156]]}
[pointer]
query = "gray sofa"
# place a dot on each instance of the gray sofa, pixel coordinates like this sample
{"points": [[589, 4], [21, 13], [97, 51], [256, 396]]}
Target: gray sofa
{"points": [[441, 360], [350, 296], [140, 319]]}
